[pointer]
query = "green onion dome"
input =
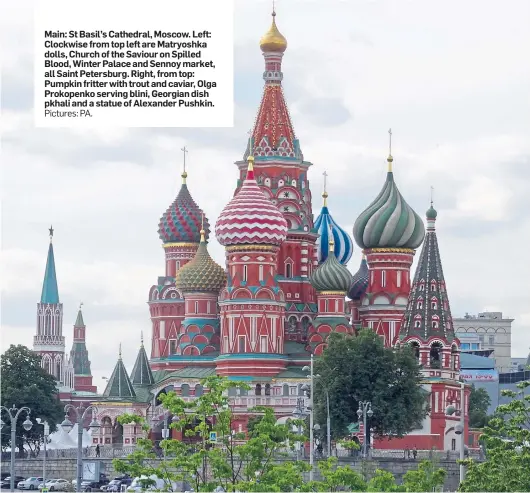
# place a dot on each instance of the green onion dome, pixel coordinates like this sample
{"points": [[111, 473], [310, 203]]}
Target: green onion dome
{"points": [[202, 274], [431, 213], [389, 222], [331, 275]]}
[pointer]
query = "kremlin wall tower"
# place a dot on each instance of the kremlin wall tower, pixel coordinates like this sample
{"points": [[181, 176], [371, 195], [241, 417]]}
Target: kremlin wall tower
{"points": [[284, 288]]}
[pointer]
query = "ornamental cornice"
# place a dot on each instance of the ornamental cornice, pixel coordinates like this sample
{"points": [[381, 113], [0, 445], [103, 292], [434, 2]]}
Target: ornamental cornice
{"points": [[333, 293], [180, 244], [254, 248], [410, 251]]}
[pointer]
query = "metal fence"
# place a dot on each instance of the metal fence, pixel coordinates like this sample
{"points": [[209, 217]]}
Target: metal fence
{"points": [[71, 453]]}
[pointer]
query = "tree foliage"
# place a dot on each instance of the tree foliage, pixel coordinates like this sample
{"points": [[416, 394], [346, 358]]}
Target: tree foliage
{"points": [[354, 369], [507, 442], [25, 383], [479, 402], [233, 461], [428, 477]]}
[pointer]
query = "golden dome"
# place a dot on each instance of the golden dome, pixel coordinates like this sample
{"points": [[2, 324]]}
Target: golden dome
{"points": [[273, 40]]}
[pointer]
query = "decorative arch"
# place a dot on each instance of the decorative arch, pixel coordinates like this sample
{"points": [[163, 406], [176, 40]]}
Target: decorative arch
{"points": [[241, 293], [264, 294], [381, 300]]}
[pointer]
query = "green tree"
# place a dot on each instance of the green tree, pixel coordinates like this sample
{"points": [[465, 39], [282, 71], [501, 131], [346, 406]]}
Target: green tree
{"points": [[361, 368], [479, 402], [383, 481], [507, 442], [25, 383], [428, 477], [232, 461]]}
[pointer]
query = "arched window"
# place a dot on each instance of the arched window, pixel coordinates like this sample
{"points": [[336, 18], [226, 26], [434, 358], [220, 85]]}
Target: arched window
{"points": [[433, 286], [436, 355], [267, 389], [417, 324], [398, 279], [196, 307], [435, 325], [434, 305], [288, 270], [199, 390], [416, 348], [285, 389], [258, 389], [185, 390], [383, 278], [261, 272], [419, 305], [245, 273], [422, 287]]}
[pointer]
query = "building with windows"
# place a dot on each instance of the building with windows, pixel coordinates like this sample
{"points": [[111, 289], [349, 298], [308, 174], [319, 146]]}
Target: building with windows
{"points": [[490, 331], [281, 292]]}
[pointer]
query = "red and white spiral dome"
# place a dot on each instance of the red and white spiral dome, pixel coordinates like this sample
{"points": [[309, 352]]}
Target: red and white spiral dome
{"points": [[250, 218]]}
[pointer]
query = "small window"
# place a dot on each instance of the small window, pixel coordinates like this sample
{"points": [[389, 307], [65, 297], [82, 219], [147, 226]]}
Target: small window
{"points": [[398, 279], [434, 305], [196, 307], [434, 324], [433, 287], [209, 307], [258, 389], [383, 278], [185, 390], [261, 272], [172, 346], [422, 287], [417, 324], [245, 273], [288, 270], [267, 389], [198, 390], [263, 344], [285, 389], [326, 307], [242, 344], [453, 443], [491, 340], [419, 306]]}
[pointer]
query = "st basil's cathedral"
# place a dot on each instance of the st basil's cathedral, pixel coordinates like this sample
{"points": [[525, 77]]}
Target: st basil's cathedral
{"points": [[284, 288]]}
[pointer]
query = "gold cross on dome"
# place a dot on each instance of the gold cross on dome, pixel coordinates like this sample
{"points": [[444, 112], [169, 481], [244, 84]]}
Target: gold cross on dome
{"points": [[390, 141], [184, 151]]}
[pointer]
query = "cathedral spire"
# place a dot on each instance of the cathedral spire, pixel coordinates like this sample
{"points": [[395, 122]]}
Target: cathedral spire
{"points": [[142, 374], [79, 356], [50, 292], [428, 314], [273, 134], [119, 385]]}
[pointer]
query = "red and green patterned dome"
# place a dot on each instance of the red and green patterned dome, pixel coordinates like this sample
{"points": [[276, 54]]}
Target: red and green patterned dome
{"points": [[182, 222]]}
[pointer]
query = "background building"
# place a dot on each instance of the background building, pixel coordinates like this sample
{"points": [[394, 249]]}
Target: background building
{"points": [[490, 331]]}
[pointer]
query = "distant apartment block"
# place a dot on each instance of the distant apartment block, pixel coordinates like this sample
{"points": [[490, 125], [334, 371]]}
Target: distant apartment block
{"points": [[487, 331]]}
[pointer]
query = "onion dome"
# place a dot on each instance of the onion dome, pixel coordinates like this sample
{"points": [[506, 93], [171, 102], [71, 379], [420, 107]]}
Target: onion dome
{"points": [[431, 213], [181, 223], [389, 222], [360, 281], [202, 273], [343, 243], [331, 275], [273, 40], [250, 217]]}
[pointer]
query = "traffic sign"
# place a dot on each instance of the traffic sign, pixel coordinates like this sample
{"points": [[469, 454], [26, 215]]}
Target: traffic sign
{"points": [[213, 436]]}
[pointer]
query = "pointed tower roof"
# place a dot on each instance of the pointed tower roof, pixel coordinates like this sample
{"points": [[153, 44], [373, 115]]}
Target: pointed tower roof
{"points": [[142, 374], [360, 281], [79, 322], [119, 385], [428, 313], [273, 134], [50, 292]]}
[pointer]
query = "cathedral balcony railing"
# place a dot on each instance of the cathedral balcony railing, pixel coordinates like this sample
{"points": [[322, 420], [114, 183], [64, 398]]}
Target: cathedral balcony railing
{"points": [[49, 340]]}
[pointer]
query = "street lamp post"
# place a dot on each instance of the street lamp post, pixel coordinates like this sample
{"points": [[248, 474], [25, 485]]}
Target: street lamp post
{"points": [[46, 434], [165, 430], [13, 414], [299, 413], [311, 418], [460, 428], [365, 411], [80, 414]]}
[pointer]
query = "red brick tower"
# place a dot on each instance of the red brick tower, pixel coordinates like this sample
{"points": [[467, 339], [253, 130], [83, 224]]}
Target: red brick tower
{"points": [[179, 230], [389, 231], [252, 229], [281, 172]]}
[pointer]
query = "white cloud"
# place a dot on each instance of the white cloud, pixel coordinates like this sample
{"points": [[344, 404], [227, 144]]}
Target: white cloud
{"points": [[448, 78]]}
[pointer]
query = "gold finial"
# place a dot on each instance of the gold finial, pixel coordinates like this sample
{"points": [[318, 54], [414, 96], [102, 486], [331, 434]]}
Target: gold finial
{"points": [[184, 174], [51, 233], [142, 338], [250, 158], [390, 158], [273, 40], [331, 240], [119, 355], [203, 233], [325, 193]]}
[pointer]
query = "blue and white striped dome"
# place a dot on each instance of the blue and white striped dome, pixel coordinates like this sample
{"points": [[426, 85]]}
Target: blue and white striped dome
{"points": [[343, 242]]}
